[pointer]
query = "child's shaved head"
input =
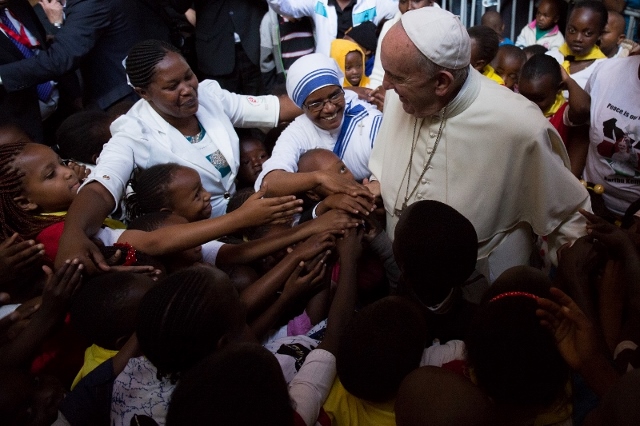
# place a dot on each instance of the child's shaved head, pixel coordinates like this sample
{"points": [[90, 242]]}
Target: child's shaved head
{"points": [[434, 396]]}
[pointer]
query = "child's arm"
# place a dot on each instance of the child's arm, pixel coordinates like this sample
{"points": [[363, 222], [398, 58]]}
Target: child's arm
{"points": [[349, 249], [578, 110], [296, 286], [310, 387], [334, 223], [55, 298], [255, 211], [258, 294]]}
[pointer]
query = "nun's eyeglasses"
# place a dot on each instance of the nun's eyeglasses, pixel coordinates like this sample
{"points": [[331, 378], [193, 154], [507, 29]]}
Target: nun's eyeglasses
{"points": [[335, 98]]}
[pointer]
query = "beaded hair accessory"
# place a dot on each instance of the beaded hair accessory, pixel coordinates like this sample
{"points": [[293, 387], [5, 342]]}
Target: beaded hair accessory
{"points": [[513, 294], [130, 257]]}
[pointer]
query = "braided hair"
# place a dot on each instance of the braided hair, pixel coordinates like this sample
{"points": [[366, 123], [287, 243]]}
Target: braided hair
{"points": [[14, 219], [150, 192], [182, 320], [142, 60]]}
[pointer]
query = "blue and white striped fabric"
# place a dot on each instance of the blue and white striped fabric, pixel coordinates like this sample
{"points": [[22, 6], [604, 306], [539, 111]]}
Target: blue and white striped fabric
{"points": [[310, 73]]}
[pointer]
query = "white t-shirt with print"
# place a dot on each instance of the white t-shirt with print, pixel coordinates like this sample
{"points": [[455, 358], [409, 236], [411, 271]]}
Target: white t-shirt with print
{"points": [[614, 149]]}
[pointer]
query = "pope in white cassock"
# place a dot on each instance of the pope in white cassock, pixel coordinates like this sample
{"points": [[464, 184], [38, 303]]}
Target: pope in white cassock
{"points": [[452, 135]]}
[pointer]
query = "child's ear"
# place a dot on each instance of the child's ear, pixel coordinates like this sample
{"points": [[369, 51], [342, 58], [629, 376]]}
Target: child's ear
{"points": [[24, 203], [479, 64]]}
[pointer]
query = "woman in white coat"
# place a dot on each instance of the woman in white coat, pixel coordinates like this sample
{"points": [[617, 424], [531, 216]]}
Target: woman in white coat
{"points": [[177, 120]]}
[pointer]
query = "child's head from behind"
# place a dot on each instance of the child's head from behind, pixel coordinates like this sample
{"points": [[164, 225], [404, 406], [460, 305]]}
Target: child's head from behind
{"points": [[104, 309], [540, 80], [547, 14], [252, 155], [534, 49], [514, 358], [434, 396], [380, 346], [27, 401], [188, 316], [493, 20], [34, 180], [508, 62], [484, 46], [174, 261], [241, 384], [613, 33], [436, 250], [82, 136], [169, 187], [585, 26]]}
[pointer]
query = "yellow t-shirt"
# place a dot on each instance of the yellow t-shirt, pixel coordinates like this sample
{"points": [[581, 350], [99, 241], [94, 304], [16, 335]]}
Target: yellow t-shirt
{"points": [[345, 409], [490, 73], [93, 357]]}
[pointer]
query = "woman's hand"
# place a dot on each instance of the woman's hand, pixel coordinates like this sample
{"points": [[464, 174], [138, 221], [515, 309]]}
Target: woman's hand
{"points": [[260, 211], [79, 246], [338, 184]]}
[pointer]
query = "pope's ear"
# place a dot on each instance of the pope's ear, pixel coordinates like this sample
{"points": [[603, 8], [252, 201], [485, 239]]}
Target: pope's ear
{"points": [[24, 203], [444, 83]]}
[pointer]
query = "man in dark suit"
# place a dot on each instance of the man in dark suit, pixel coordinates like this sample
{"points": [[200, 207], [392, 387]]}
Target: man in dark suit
{"points": [[20, 107], [228, 42], [95, 37]]}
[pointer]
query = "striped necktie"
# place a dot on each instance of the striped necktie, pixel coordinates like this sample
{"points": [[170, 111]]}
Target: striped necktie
{"points": [[44, 89]]}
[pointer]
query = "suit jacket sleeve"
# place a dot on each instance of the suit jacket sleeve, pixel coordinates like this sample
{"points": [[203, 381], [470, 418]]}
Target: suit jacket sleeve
{"points": [[86, 20]]}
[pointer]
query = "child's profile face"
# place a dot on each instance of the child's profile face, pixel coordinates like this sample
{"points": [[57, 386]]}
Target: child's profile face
{"points": [[508, 68], [612, 35], [546, 16], [406, 5], [187, 196], [48, 184], [252, 155], [540, 91], [353, 67], [583, 31]]}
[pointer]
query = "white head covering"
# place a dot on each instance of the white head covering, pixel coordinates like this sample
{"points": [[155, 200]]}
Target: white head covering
{"points": [[310, 73], [439, 35]]}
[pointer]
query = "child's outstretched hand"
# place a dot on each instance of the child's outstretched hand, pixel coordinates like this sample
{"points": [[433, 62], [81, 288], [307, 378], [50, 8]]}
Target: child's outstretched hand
{"points": [[354, 205], [334, 221], [59, 288], [81, 170], [306, 282], [575, 335], [16, 257], [258, 211], [313, 246], [615, 239]]}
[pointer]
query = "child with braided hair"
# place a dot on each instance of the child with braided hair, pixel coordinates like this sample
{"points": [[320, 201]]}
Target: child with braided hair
{"points": [[37, 188]]}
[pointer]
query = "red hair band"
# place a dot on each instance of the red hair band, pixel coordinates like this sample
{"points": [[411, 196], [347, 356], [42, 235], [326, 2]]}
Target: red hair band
{"points": [[513, 294]]}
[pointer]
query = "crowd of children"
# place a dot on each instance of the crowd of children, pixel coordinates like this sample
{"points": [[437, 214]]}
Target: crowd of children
{"points": [[295, 307]]}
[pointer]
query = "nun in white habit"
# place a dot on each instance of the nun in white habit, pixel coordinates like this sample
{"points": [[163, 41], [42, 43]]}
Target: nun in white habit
{"points": [[332, 120]]}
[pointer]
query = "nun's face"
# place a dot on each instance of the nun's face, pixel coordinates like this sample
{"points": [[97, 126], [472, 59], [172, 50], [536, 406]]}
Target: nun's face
{"points": [[325, 107]]}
